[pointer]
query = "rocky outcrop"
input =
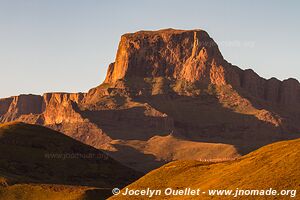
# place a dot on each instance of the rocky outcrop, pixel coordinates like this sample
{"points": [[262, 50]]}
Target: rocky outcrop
{"points": [[13, 107], [55, 107], [193, 56], [61, 107], [278, 93], [188, 55]]}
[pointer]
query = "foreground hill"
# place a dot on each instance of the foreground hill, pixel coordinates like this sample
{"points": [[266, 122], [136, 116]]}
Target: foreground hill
{"points": [[173, 88], [39, 163], [275, 166]]}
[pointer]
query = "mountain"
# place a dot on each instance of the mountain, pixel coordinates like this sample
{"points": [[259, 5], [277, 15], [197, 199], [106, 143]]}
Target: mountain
{"points": [[273, 166], [39, 163], [169, 95]]}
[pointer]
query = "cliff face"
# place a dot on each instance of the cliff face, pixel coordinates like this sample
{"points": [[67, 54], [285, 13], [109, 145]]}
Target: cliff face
{"points": [[194, 57], [14, 107], [173, 88], [59, 108], [189, 55], [55, 107], [281, 93], [58, 111]]}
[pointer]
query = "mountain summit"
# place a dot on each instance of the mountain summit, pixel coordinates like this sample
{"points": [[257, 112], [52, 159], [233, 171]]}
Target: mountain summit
{"points": [[175, 54], [169, 95], [192, 56]]}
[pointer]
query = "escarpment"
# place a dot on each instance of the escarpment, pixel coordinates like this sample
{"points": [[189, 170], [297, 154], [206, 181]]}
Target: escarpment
{"points": [[50, 103], [169, 53], [171, 88], [192, 56], [284, 93]]}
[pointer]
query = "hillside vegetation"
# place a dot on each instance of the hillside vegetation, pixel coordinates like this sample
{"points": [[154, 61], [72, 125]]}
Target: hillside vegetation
{"points": [[273, 166]]}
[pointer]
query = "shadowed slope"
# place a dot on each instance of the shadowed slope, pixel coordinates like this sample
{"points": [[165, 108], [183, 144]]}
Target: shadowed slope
{"points": [[34, 159], [153, 153]]}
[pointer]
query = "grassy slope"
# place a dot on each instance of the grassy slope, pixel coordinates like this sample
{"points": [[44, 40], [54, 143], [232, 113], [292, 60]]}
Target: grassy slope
{"points": [[169, 148], [273, 166], [25, 172]]}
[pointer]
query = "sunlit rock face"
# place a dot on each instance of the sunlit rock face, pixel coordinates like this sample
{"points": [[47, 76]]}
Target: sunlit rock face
{"points": [[189, 55], [192, 55]]}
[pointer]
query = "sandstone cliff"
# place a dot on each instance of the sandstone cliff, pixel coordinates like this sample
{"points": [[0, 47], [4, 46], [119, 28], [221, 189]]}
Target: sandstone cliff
{"points": [[188, 55], [195, 57]]}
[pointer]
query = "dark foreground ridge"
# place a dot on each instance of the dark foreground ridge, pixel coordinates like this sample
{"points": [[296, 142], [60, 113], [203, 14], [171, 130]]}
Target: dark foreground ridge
{"points": [[39, 163]]}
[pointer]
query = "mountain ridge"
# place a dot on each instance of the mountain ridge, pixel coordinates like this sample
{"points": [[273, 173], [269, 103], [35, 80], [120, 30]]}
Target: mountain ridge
{"points": [[193, 56], [169, 87]]}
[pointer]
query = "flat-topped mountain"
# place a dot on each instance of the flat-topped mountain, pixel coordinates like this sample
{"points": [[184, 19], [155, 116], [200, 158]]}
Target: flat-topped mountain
{"points": [[174, 54], [169, 95], [192, 56]]}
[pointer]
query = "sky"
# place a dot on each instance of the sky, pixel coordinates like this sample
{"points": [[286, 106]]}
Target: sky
{"points": [[67, 45]]}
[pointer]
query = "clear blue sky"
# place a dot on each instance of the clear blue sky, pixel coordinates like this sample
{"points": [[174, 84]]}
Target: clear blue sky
{"points": [[66, 45]]}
